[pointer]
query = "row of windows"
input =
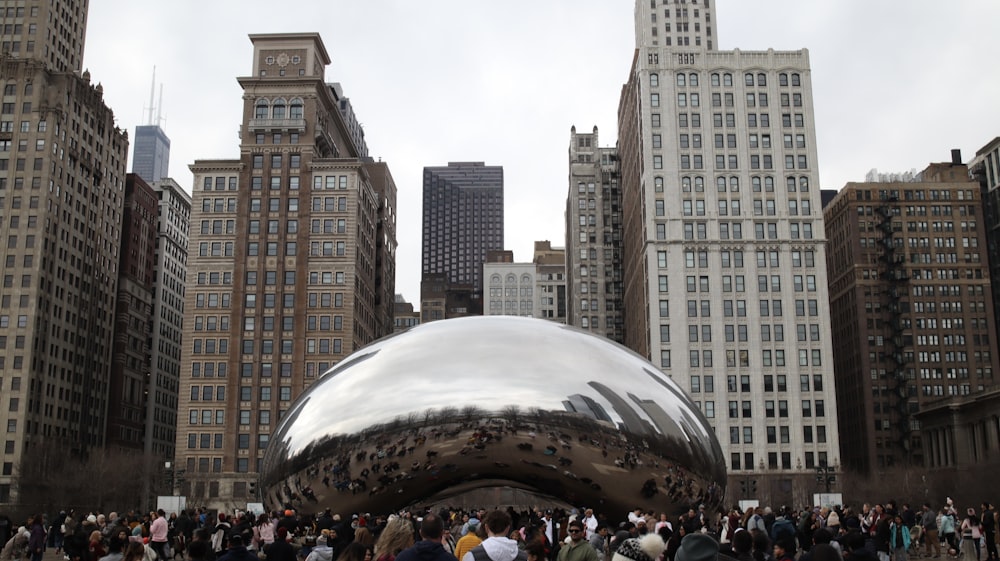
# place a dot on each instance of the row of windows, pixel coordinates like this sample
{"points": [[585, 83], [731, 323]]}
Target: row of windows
{"points": [[771, 383], [811, 461], [264, 109], [774, 436], [693, 120], [209, 370], [726, 79], [286, 346]]}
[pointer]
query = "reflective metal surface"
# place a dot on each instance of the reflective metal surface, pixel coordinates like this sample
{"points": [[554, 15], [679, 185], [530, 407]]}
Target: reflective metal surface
{"points": [[493, 402]]}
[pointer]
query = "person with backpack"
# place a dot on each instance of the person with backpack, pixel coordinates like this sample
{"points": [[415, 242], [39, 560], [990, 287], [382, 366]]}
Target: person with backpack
{"points": [[498, 547]]}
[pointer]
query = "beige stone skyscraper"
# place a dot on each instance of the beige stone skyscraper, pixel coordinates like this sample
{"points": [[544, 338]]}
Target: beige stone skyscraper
{"points": [[62, 187], [724, 278], [290, 267], [594, 286]]}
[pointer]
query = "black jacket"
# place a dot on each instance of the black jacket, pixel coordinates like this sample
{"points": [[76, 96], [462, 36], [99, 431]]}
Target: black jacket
{"points": [[425, 550], [280, 551], [239, 553]]}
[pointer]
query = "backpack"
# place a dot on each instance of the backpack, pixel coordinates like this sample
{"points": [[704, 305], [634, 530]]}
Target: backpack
{"points": [[479, 554]]}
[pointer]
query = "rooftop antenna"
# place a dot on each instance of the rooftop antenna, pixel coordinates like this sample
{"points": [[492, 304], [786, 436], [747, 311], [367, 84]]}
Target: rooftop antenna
{"points": [[159, 109], [152, 92]]}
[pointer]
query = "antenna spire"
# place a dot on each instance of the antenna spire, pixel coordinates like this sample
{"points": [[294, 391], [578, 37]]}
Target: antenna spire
{"points": [[159, 108], [152, 92]]}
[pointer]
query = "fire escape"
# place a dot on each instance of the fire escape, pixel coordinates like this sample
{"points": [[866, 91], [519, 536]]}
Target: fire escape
{"points": [[894, 277]]}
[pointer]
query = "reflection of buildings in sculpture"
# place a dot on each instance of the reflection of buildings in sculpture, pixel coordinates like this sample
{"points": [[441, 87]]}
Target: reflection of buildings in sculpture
{"points": [[630, 422], [586, 406]]}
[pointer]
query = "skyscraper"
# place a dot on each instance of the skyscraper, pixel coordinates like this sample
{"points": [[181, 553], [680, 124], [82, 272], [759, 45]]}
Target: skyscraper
{"points": [[724, 278], [51, 32], [291, 266], [912, 309], [462, 220], [151, 147], [151, 153], [594, 238], [62, 189]]}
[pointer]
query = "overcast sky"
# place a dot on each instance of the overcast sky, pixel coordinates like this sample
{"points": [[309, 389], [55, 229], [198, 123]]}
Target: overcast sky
{"points": [[897, 83]]}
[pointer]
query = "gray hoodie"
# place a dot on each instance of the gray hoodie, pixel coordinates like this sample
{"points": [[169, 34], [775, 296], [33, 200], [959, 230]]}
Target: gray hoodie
{"points": [[499, 549]]}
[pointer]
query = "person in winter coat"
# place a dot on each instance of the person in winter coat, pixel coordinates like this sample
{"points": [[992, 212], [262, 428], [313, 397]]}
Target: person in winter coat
{"points": [[36, 543], [322, 551], [576, 550], [238, 551], [899, 538], [429, 548], [280, 549], [220, 538], [16, 546]]}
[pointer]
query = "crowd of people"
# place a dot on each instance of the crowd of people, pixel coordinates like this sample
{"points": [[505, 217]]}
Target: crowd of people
{"points": [[877, 532]]}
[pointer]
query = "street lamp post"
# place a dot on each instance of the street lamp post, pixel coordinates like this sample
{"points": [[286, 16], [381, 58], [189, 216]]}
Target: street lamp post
{"points": [[826, 475]]}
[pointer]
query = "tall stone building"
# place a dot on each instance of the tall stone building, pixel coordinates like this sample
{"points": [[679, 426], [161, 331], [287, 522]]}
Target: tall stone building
{"points": [[291, 266], [724, 279], [462, 221], [912, 309], [168, 318], [62, 189], [130, 369], [594, 238]]}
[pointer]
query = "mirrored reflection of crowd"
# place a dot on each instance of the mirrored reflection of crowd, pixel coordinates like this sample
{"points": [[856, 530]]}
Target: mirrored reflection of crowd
{"points": [[869, 532]]}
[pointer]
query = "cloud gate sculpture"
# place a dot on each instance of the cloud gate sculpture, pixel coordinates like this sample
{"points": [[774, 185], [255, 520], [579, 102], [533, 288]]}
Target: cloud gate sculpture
{"points": [[518, 410]]}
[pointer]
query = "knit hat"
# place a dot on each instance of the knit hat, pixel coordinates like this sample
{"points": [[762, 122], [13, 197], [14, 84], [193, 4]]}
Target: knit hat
{"points": [[697, 547], [646, 548], [282, 533]]}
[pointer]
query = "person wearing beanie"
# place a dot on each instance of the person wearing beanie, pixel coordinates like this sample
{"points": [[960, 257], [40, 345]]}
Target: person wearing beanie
{"points": [[578, 548], [280, 549], [650, 547], [470, 540], [322, 551]]}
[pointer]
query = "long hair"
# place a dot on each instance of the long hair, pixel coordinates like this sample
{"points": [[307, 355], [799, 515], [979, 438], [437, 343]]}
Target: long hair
{"points": [[397, 536], [364, 537], [135, 552]]}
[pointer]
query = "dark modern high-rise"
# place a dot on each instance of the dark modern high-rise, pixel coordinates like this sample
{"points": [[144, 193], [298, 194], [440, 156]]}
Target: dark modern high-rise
{"points": [[985, 168], [291, 266], [62, 190], [910, 307], [150, 153], [462, 221]]}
